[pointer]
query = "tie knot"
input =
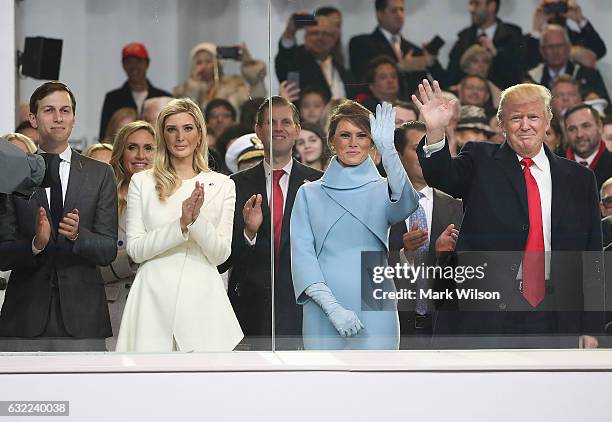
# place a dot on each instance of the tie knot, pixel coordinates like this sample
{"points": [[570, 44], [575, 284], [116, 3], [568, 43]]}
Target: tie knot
{"points": [[584, 163], [527, 162], [277, 174], [421, 195]]}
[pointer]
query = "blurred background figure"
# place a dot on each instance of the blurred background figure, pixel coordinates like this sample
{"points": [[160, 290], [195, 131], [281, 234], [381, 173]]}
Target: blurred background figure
{"points": [[25, 128], [208, 82], [566, 93], [554, 138], [226, 139], [133, 93], [219, 115], [100, 152], [245, 152], [22, 142], [607, 132], [382, 79], [120, 118], [312, 104], [405, 112], [311, 147], [133, 152], [248, 111], [472, 126], [477, 61], [152, 107]]}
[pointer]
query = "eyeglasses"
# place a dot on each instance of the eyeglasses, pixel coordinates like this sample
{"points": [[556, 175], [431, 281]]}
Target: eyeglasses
{"points": [[607, 201]]}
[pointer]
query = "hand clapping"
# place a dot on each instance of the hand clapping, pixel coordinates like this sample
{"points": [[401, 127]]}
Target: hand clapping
{"points": [[191, 206]]}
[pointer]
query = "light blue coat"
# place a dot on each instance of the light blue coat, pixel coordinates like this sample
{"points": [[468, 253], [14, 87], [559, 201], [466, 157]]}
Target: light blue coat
{"points": [[334, 219]]}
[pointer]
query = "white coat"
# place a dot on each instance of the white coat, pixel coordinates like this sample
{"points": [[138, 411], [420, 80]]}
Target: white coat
{"points": [[178, 301]]}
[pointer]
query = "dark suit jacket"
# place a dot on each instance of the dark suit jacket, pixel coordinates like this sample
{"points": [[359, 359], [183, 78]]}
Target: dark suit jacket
{"points": [[496, 222], [506, 69], [92, 190], [122, 97], [587, 37], [446, 210], [298, 59], [587, 77], [365, 47], [249, 287], [603, 170]]}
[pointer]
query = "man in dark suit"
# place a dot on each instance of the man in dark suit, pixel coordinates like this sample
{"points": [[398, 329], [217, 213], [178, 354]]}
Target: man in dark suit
{"points": [[531, 216], [584, 128], [314, 61], [266, 193], [555, 48], [583, 34], [419, 245], [413, 62], [133, 93], [503, 40], [53, 241]]}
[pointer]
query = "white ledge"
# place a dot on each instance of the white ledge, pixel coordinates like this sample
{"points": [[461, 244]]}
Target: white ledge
{"points": [[369, 361]]}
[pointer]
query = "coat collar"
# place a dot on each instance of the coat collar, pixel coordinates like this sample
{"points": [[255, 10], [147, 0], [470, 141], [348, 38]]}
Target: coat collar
{"points": [[338, 176]]}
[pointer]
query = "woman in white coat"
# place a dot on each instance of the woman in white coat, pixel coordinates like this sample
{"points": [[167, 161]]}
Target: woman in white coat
{"points": [[179, 228]]}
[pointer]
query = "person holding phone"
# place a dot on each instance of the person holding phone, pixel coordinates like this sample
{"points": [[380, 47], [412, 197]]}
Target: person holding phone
{"points": [[207, 81], [502, 40], [568, 14], [314, 61], [414, 62]]}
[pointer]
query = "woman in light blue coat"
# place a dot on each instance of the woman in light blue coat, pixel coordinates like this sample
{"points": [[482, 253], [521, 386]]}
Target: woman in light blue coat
{"points": [[347, 212]]}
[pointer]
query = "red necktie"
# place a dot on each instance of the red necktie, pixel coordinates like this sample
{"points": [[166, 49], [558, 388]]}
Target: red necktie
{"points": [[584, 163], [533, 260], [277, 203]]}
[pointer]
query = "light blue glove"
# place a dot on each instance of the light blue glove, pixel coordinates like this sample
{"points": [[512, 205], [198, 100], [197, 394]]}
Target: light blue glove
{"points": [[383, 130], [346, 322]]}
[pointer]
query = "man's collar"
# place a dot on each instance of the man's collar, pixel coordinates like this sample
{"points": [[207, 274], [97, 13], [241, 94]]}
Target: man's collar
{"points": [[428, 192], [65, 155], [287, 167], [540, 159], [388, 34]]}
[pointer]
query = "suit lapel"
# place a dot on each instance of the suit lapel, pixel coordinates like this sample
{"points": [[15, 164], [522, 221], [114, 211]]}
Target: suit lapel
{"points": [[76, 181], [386, 47], [512, 169], [438, 218], [560, 192], [296, 179]]}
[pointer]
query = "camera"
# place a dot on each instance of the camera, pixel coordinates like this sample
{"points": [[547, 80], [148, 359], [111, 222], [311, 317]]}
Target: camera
{"points": [[557, 8]]}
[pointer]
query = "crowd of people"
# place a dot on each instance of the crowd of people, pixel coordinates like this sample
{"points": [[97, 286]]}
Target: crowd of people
{"points": [[213, 217]]}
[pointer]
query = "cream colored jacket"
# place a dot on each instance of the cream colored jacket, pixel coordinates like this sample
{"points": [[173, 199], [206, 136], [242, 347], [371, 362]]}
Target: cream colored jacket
{"points": [[178, 301]]}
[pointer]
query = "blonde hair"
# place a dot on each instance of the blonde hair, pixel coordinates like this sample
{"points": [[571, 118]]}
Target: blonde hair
{"points": [[166, 179], [525, 93], [29, 144], [116, 161], [97, 147], [113, 125], [472, 53]]}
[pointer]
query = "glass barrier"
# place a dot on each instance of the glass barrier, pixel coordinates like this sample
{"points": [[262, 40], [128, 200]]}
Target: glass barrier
{"points": [[339, 227]]}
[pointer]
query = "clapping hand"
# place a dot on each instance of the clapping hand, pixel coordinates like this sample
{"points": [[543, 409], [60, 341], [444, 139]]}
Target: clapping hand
{"points": [[414, 239], [383, 127], [252, 215], [42, 229], [69, 226], [191, 206], [447, 240], [435, 110]]}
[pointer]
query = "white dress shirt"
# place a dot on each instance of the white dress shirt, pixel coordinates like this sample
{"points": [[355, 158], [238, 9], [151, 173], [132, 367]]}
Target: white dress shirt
{"points": [[589, 159], [64, 173], [541, 173], [284, 185], [489, 32]]}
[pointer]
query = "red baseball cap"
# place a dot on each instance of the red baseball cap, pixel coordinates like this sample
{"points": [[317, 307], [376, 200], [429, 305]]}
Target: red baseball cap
{"points": [[135, 49]]}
